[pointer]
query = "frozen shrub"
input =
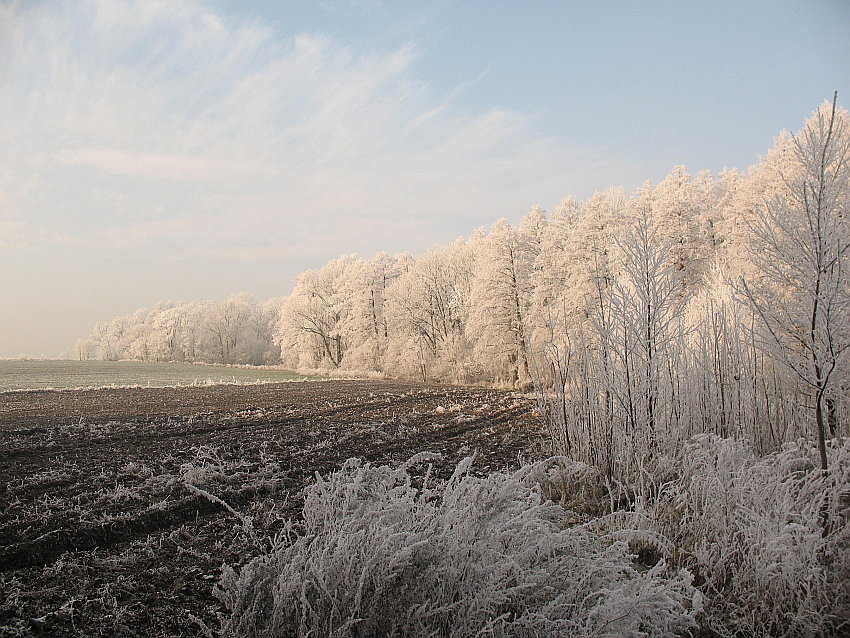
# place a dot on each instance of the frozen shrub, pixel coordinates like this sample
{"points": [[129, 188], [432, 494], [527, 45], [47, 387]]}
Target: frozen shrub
{"points": [[766, 537], [563, 479], [380, 556]]}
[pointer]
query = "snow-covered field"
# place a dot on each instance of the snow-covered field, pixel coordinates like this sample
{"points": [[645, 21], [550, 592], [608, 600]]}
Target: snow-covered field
{"points": [[65, 375]]}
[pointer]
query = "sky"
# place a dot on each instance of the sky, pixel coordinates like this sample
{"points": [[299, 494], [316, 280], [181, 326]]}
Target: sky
{"points": [[188, 149]]}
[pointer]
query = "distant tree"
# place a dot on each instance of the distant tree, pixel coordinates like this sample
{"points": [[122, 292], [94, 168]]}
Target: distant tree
{"points": [[82, 350], [224, 322], [312, 317], [364, 325], [428, 309], [167, 328], [106, 336]]}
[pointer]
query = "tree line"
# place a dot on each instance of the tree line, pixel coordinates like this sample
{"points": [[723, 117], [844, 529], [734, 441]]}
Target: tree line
{"points": [[699, 304], [237, 330]]}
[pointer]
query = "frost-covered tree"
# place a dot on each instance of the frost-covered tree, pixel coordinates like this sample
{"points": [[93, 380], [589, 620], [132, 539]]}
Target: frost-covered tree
{"points": [[311, 317], [729, 387], [743, 198], [82, 350], [683, 214], [167, 327], [364, 325], [573, 272], [552, 271], [427, 309], [646, 309], [500, 298], [108, 336], [236, 330], [802, 293]]}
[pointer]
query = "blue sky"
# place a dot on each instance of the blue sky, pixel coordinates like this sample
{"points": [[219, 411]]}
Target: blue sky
{"points": [[189, 149]]}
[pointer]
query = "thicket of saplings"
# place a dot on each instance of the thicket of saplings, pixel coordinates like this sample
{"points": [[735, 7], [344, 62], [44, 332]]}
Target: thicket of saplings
{"points": [[703, 471]]}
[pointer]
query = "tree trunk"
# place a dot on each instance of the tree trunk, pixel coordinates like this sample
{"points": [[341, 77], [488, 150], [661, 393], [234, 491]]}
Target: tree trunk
{"points": [[821, 431]]}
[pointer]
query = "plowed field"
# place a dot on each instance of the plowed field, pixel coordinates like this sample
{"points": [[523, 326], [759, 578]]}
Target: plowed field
{"points": [[104, 529]]}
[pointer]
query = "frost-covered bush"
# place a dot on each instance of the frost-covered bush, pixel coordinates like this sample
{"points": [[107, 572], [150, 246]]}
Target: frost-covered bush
{"points": [[579, 488], [381, 556], [767, 538]]}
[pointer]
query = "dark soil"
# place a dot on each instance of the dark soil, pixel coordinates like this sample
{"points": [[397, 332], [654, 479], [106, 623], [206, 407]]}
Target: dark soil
{"points": [[100, 535]]}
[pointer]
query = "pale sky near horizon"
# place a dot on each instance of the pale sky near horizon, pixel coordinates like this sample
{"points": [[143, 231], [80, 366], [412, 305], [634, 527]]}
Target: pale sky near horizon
{"points": [[188, 149]]}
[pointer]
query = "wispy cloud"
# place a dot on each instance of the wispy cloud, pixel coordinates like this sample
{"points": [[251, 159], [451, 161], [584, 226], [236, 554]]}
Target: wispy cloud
{"points": [[178, 167], [223, 137]]}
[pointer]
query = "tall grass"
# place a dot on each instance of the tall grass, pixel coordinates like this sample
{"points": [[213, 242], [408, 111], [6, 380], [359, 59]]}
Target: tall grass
{"points": [[766, 537], [383, 554]]}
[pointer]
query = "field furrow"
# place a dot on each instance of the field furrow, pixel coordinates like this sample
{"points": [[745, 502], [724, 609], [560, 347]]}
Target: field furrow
{"points": [[105, 528]]}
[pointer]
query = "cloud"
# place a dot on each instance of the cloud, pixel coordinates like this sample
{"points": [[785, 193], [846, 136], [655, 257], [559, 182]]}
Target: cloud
{"points": [[167, 127], [179, 167]]}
